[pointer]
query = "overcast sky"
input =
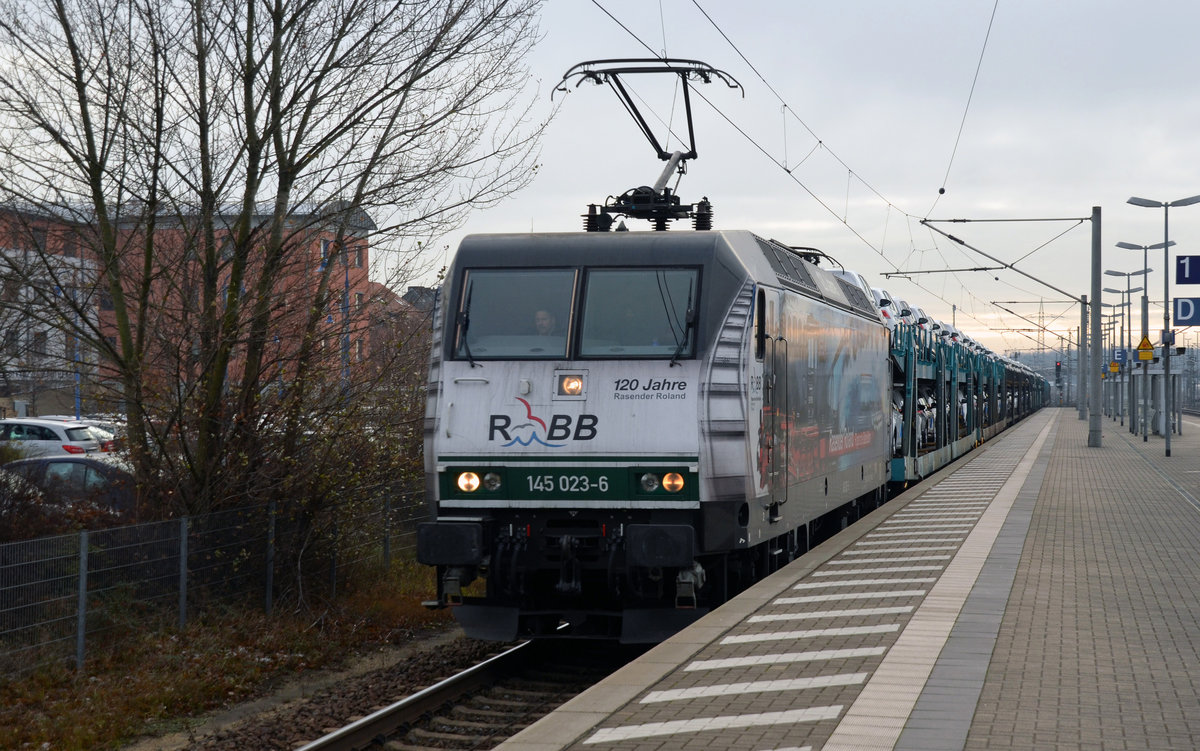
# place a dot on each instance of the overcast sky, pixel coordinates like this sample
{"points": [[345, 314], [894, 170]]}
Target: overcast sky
{"points": [[1077, 104]]}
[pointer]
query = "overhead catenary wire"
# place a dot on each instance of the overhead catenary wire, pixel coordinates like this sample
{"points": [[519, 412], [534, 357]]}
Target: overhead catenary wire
{"points": [[967, 108], [852, 174], [787, 107], [789, 172], [820, 143]]}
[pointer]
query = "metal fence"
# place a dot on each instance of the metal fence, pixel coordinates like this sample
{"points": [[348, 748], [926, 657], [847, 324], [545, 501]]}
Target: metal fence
{"points": [[58, 594]]}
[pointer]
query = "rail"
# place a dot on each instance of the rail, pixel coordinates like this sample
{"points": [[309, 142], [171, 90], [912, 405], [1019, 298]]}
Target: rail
{"points": [[369, 729]]}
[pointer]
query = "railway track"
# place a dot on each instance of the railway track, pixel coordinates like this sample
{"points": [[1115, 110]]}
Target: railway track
{"points": [[485, 704]]}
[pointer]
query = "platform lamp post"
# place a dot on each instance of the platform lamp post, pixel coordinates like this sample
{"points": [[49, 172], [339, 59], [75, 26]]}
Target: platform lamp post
{"points": [[1118, 342], [1128, 305], [1108, 335], [1145, 421], [1167, 335]]}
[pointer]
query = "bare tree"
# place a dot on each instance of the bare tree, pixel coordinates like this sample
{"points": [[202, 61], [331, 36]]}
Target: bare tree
{"points": [[203, 149]]}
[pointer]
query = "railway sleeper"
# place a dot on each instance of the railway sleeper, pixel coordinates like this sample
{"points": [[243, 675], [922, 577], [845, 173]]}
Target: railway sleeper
{"points": [[472, 727], [526, 695], [560, 675], [502, 704], [480, 714], [533, 684], [420, 735]]}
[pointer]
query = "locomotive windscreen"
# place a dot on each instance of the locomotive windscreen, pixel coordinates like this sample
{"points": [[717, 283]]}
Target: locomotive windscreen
{"points": [[638, 313], [643, 312], [514, 313]]}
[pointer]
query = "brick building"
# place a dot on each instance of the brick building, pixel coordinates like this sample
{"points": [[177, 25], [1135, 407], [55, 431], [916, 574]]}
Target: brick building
{"points": [[57, 316]]}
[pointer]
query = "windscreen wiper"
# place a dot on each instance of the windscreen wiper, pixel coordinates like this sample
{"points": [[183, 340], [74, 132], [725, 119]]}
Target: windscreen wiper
{"points": [[689, 324], [463, 323]]}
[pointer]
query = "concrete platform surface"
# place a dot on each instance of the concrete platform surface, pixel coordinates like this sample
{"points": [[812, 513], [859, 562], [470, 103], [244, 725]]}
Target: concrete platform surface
{"points": [[1037, 594]]}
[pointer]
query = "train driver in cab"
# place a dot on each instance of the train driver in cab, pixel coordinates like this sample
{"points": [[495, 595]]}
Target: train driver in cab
{"points": [[545, 323]]}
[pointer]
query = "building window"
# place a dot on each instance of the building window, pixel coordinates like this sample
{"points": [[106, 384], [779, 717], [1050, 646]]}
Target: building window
{"points": [[358, 350], [358, 302], [358, 257]]}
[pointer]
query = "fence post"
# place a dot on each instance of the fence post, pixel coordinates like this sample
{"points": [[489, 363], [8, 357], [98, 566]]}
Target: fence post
{"points": [[183, 583], [81, 618], [270, 604]]}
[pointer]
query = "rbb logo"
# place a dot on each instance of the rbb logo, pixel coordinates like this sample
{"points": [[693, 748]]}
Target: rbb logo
{"points": [[526, 433], [560, 428]]}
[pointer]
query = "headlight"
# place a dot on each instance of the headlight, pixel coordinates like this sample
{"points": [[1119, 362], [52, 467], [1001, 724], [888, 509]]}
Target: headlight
{"points": [[672, 482], [649, 482], [570, 385], [491, 481], [468, 482]]}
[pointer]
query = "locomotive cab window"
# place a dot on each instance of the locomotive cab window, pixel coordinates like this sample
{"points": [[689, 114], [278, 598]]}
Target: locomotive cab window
{"points": [[514, 314], [640, 312]]}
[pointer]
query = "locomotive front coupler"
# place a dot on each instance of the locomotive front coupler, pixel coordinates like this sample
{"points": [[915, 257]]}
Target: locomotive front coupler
{"points": [[568, 573]]}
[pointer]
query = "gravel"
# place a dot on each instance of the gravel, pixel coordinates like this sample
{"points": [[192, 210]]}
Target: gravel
{"points": [[307, 709]]}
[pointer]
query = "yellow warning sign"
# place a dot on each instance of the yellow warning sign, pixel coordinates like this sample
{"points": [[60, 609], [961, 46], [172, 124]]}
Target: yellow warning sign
{"points": [[1113, 367], [1145, 349]]}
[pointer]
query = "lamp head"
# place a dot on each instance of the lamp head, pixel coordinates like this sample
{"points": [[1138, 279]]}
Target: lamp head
{"points": [[1145, 202], [1185, 201]]}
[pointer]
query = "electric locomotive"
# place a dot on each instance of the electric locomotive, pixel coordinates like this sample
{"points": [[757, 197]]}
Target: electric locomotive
{"points": [[626, 428]]}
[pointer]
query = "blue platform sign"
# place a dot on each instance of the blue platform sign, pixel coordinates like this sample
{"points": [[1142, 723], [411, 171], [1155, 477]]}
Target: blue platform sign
{"points": [[1187, 311], [1119, 356], [1187, 269]]}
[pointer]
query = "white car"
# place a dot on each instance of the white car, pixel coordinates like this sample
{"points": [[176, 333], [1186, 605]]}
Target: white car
{"points": [[856, 279], [889, 312], [33, 436], [108, 431]]}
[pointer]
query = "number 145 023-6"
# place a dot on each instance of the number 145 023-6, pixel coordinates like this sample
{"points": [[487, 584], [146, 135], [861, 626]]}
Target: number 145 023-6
{"points": [[567, 483]]}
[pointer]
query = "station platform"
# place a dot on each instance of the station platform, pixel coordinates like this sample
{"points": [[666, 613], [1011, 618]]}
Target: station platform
{"points": [[1036, 594]]}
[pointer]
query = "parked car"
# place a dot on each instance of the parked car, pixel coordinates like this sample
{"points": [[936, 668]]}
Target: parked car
{"points": [[72, 480], [34, 436], [108, 432], [16, 491]]}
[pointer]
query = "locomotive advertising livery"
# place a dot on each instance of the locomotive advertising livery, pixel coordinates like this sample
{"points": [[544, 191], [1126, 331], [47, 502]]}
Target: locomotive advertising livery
{"points": [[623, 429]]}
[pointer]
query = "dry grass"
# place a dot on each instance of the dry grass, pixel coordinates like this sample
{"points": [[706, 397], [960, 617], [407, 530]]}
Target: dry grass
{"points": [[162, 677]]}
